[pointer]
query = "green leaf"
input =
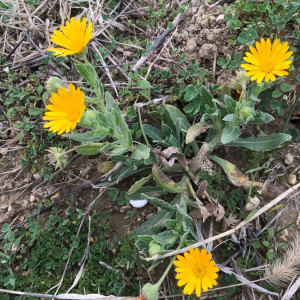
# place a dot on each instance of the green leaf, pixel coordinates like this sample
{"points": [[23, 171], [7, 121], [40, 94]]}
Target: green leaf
{"points": [[207, 97], [280, 111], [152, 132], [262, 143], [157, 222], [274, 104], [243, 37], [261, 118], [230, 104], [85, 137], [231, 118], [35, 111], [276, 94], [139, 184], [141, 152], [144, 83], [230, 133], [285, 87], [90, 148], [166, 237], [159, 203], [188, 97], [39, 90], [5, 228], [90, 75]]}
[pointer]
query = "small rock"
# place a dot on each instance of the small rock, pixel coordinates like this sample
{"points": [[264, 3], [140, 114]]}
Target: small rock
{"points": [[139, 219], [288, 158], [284, 235], [36, 176], [123, 209], [26, 180], [32, 198], [252, 204], [292, 179], [10, 209], [220, 19], [55, 197]]}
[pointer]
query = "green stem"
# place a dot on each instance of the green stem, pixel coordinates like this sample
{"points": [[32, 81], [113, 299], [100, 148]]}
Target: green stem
{"points": [[141, 125], [169, 266]]}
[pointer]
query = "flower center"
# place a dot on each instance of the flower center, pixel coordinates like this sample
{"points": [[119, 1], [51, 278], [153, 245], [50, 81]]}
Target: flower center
{"points": [[267, 67], [73, 114], [199, 270]]}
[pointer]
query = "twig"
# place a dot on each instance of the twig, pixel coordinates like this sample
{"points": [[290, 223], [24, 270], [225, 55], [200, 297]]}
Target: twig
{"points": [[292, 290], [69, 296], [231, 231]]}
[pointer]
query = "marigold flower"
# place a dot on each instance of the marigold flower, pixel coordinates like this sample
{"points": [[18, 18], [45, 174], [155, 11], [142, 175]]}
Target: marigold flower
{"points": [[265, 61], [196, 271], [74, 37], [66, 109]]}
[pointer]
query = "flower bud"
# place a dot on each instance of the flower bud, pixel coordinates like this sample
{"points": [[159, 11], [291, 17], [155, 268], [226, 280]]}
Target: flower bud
{"points": [[53, 84], [246, 114], [150, 292], [88, 117]]}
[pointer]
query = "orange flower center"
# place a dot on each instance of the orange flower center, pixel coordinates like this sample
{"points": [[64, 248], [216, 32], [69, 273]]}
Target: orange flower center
{"points": [[267, 67], [199, 269]]}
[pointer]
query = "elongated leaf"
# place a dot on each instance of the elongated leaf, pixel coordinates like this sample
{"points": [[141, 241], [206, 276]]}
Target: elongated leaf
{"points": [[84, 137], [235, 176], [90, 149], [207, 97], [151, 191], [230, 104], [164, 182], [139, 184], [152, 132], [157, 222], [230, 133], [262, 143], [261, 118], [90, 75], [194, 131], [159, 203]]}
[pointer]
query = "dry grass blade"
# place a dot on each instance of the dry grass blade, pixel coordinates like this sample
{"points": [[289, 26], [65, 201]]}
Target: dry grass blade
{"points": [[284, 269]]}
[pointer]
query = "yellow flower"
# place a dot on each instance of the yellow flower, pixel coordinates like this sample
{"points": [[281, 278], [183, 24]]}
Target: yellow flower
{"points": [[73, 38], [265, 61], [66, 109], [196, 271]]}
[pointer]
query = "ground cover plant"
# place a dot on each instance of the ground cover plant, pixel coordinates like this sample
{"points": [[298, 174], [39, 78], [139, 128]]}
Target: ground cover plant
{"points": [[149, 149]]}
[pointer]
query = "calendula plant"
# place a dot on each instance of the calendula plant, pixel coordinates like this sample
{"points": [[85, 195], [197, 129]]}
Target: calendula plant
{"points": [[225, 116], [68, 104]]}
